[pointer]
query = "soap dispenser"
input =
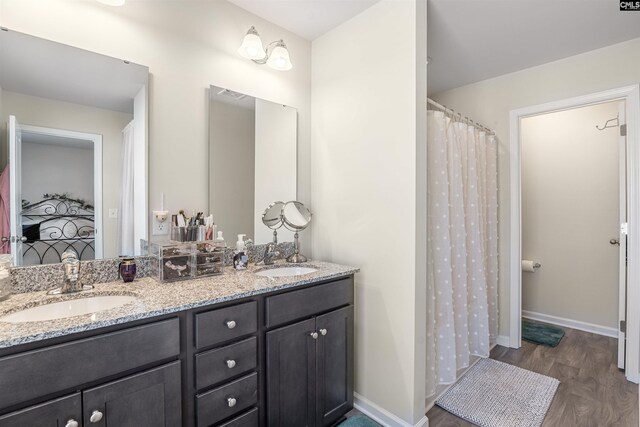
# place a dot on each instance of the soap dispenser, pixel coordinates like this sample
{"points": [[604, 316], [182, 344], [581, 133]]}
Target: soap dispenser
{"points": [[218, 242], [240, 258]]}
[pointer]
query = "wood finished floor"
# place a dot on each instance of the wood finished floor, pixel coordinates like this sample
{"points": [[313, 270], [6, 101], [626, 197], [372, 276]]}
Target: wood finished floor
{"points": [[593, 392]]}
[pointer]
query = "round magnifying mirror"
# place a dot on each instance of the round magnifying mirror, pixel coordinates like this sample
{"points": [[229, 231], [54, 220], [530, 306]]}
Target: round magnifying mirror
{"points": [[272, 216], [296, 216]]}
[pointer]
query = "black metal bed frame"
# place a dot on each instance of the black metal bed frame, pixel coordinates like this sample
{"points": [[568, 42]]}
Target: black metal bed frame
{"points": [[68, 231]]}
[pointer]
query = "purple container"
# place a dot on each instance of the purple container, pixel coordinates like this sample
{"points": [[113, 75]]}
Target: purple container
{"points": [[127, 269]]}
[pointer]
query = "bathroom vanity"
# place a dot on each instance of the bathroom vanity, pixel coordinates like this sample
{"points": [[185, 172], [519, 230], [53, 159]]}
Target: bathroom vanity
{"points": [[238, 349]]}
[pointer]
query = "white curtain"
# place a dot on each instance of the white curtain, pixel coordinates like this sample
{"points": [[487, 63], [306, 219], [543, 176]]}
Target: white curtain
{"points": [[462, 246], [126, 240]]}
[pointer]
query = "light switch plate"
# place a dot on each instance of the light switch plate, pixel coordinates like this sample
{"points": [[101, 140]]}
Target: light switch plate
{"points": [[113, 213]]}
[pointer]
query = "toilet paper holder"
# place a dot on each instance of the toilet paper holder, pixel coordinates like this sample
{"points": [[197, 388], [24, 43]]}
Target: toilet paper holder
{"points": [[537, 265]]}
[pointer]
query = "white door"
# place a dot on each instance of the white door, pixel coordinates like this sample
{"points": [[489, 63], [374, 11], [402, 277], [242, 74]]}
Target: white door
{"points": [[622, 238], [15, 166]]}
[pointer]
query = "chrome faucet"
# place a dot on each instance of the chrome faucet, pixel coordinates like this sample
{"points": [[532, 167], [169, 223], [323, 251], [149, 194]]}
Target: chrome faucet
{"points": [[71, 282], [272, 253]]}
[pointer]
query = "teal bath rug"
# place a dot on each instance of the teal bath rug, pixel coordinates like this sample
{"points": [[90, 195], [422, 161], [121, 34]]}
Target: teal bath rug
{"points": [[358, 421], [539, 333]]}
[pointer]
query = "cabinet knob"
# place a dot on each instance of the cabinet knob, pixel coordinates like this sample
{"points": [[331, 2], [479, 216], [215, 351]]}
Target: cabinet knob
{"points": [[71, 423], [231, 324], [96, 416], [314, 335], [323, 332], [231, 363], [231, 401]]}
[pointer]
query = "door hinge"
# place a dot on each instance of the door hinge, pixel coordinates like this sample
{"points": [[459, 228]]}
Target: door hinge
{"points": [[624, 228], [623, 326], [623, 130]]}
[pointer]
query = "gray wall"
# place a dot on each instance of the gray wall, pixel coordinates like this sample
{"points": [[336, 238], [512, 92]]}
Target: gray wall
{"points": [[232, 166]]}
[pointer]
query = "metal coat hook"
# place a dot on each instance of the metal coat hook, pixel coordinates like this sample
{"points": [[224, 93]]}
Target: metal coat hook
{"points": [[606, 124]]}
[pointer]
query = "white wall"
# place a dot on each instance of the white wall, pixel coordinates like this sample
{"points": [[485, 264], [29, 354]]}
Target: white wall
{"points": [[31, 110], [368, 104], [232, 153], [275, 174], [56, 169], [490, 101], [187, 45], [570, 211]]}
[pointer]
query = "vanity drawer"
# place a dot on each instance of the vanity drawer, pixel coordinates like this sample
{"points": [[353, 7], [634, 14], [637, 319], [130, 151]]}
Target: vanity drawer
{"points": [[216, 326], [214, 366], [29, 375], [217, 404], [307, 302], [250, 419]]}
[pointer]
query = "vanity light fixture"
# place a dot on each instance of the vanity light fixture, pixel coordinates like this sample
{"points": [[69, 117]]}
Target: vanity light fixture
{"points": [[275, 55], [112, 2]]}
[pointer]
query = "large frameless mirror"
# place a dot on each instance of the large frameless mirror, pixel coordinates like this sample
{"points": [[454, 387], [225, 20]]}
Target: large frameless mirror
{"points": [[252, 161], [73, 148]]}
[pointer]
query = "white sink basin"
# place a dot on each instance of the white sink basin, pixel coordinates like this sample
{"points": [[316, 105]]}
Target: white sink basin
{"points": [[70, 308], [286, 271]]}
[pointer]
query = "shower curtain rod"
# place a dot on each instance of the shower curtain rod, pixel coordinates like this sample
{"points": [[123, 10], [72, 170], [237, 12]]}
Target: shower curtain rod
{"points": [[460, 116]]}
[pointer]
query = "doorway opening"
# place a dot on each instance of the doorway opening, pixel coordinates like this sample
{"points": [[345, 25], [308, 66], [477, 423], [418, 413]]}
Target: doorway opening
{"points": [[57, 205], [571, 185]]}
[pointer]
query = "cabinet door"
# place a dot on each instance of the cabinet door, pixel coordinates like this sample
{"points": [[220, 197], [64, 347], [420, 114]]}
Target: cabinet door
{"points": [[334, 365], [291, 375], [55, 413], [150, 399]]}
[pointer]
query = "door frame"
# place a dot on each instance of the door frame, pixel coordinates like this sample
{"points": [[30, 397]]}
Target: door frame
{"points": [[96, 139], [630, 94]]}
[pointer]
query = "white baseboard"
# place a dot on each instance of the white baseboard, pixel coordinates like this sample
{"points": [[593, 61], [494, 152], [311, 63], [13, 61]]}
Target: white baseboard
{"points": [[381, 415], [573, 324], [503, 340]]}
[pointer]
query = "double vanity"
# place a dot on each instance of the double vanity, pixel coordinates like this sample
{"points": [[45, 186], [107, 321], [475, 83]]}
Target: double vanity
{"points": [[270, 346]]}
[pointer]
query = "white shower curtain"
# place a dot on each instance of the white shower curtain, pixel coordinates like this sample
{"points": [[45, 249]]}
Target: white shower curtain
{"points": [[126, 245], [462, 246]]}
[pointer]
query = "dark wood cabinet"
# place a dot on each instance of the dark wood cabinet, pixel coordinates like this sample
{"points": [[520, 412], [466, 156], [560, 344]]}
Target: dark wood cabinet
{"points": [[291, 375], [310, 371], [282, 359], [63, 412], [334, 365], [151, 398]]}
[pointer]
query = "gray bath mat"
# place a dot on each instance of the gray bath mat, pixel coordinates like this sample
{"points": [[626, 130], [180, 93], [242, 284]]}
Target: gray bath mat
{"points": [[496, 394]]}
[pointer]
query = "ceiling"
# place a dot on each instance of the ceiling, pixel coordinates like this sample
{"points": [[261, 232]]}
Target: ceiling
{"points": [[307, 18], [61, 141], [474, 40]]}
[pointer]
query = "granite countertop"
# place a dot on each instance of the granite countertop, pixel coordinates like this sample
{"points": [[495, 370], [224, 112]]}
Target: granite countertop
{"points": [[153, 299]]}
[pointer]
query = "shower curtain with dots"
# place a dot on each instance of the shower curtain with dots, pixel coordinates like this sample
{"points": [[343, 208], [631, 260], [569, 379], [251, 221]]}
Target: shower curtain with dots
{"points": [[462, 246]]}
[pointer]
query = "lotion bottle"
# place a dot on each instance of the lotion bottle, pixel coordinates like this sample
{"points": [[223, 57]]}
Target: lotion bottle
{"points": [[240, 258]]}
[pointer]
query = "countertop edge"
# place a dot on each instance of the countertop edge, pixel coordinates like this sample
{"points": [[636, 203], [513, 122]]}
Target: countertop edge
{"points": [[98, 324]]}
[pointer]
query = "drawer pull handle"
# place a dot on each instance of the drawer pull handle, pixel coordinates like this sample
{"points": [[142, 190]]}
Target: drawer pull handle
{"points": [[231, 363], [314, 335], [71, 423], [231, 324], [96, 416], [231, 401], [323, 332]]}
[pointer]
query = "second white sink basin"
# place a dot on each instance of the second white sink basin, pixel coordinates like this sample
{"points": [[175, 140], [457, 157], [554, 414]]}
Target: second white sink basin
{"points": [[70, 308], [286, 271]]}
